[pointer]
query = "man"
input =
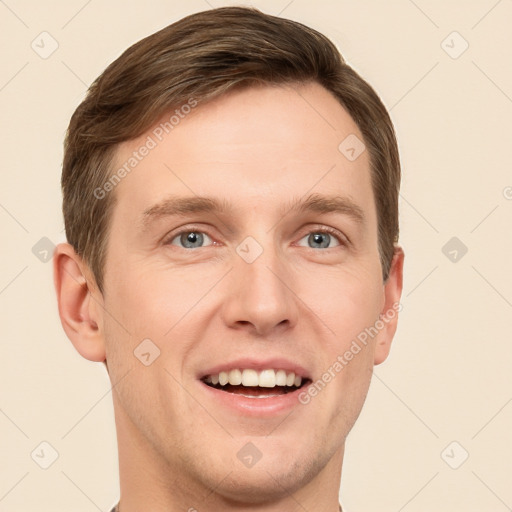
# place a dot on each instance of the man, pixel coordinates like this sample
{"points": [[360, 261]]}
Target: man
{"points": [[231, 205]]}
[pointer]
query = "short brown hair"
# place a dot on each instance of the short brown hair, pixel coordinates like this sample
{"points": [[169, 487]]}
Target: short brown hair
{"points": [[203, 56]]}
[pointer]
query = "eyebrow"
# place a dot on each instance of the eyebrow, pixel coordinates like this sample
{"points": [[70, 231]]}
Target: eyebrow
{"points": [[175, 206]]}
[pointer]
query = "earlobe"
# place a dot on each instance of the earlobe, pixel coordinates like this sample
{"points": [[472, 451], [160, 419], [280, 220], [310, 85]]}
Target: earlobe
{"points": [[78, 311], [391, 308]]}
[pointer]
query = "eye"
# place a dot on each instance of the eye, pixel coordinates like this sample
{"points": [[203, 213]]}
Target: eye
{"points": [[323, 239], [189, 239]]}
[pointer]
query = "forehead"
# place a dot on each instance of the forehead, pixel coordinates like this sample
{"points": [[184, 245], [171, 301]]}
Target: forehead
{"points": [[250, 146]]}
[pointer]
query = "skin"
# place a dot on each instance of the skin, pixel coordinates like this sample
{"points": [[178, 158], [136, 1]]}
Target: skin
{"points": [[257, 148]]}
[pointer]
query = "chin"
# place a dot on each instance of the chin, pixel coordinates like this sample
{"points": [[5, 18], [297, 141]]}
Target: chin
{"points": [[260, 486], [267, 481]]}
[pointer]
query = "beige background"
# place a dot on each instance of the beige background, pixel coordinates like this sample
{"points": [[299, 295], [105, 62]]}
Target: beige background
{"points": [[448, 377]]}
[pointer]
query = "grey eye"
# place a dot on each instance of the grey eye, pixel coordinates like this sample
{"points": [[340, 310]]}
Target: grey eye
{"points": [[321, 240], [190, 239]]}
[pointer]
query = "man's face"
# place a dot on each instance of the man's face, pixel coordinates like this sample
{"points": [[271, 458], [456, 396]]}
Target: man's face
{"points": [[258, 285]]}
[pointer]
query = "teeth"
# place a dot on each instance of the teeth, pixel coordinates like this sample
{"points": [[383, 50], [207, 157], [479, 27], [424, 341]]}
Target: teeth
{"points": [[235, 377], [280, 378], [267, 379], [251, 378]]}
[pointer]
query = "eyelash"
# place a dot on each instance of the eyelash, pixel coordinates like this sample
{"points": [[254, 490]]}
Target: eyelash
{"points": [[342, 240]]}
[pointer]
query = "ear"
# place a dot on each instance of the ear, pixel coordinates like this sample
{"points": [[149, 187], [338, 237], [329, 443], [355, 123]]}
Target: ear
{"points": [[80, 302], [392, 305]]}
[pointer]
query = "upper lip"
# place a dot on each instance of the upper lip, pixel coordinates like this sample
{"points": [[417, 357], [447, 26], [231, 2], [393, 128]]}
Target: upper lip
{"points": [[258, 365]]}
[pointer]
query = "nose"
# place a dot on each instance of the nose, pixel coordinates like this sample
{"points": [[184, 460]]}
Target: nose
{"points": [[260, 296]]}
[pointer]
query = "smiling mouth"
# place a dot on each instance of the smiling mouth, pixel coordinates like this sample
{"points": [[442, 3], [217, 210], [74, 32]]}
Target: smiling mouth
{"points": [[252, 384]]}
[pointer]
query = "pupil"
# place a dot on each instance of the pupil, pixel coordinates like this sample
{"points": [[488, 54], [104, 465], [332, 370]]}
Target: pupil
{"points": [[191, 239], [321, 238]]}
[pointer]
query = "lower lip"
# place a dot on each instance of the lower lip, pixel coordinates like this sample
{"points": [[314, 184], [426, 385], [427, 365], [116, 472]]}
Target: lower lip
{"points": [[254, 406]]}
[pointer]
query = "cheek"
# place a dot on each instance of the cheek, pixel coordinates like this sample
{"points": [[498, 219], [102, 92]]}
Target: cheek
{"points": [[150, 302], [156, 311], [347, 303]]}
